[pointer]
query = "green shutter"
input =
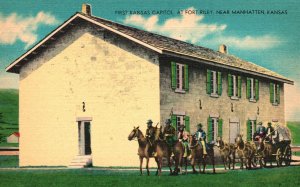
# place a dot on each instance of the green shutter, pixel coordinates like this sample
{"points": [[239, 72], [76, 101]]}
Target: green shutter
{"points": [[173, 75], [220, 127], [186, 77], [248, 88], [278, 94], [209, 129], [272, 92], [249, 135], [219, 83], [254, 126], [208, 82], [239, 87], [187, 123], [256, 89], [230, 86], [174, 121]]}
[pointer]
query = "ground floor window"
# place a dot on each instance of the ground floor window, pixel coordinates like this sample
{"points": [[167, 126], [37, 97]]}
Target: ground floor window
{"points": [[214, 128], [178, 120], [251, 128]]}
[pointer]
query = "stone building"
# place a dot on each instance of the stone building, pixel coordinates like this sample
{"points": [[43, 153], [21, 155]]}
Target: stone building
{"points": [[86, 84]]}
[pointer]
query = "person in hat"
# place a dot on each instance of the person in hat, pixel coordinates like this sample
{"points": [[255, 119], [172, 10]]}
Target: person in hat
{"points": [[201, 137], [150, 136], [260, 130], [270, 132], [169, 133]]}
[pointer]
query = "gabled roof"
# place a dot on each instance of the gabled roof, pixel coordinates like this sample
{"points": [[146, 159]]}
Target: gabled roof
{"points": [[162, 45], [17, 134]]}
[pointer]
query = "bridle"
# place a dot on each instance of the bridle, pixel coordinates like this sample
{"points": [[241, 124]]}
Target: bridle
{"points": [[135, 135]]}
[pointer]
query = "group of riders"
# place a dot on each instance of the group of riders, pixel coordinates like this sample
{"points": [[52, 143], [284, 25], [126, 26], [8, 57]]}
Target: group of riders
{"points": [[170, 136]]}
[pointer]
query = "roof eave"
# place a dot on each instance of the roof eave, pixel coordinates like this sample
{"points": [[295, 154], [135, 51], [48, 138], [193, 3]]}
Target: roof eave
{"points": [[217, 64]]}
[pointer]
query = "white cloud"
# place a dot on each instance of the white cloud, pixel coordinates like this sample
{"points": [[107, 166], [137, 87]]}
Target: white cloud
{"points": [[186, 28], [191, 28], [16, 27]]}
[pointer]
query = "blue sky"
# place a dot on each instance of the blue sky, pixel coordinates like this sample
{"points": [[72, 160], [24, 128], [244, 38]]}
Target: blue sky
{"points": [[272, 41]]}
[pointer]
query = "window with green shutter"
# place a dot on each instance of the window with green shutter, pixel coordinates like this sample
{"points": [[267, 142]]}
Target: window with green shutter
{"points": [[220, 127], [248, 87], [239, 87], [209, 129], [208, 81], [187, 123], [219, 83], [274, 93], [179, 77], [230, 85], [249, 131], [256, 89], [174, 121]]}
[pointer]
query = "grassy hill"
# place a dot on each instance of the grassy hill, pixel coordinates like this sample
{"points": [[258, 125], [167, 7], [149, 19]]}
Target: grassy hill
{"points": [[294, 127], [9, 108]]}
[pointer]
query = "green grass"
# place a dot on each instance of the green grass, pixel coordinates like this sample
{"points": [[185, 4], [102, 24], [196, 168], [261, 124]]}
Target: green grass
{"points": [[287, 176], [295, 130], [9, 107], [9, 161]]}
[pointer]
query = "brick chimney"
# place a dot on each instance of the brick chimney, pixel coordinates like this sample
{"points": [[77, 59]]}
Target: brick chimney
{"points": [[223, 49], [86, 9]]}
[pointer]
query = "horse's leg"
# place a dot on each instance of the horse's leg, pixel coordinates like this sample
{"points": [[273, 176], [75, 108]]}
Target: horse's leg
{"points": [[233, 159], [242, 163], [186, 163], [213, 162], [160, 165], [141, 165], [193, 165], [204, 163], [224, 162], [170, 164], [147, 166], [229, 160], [157, 162]]}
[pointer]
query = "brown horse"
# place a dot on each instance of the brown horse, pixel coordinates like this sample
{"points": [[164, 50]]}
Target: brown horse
{"points": [[197, 154], [144, 146], [227, 152], [245, 151], [264, 152], [163, 150]]}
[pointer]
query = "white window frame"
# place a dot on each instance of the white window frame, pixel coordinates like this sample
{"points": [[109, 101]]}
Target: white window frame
{"points": [[214, 128], [234, 87], [214, 80], [252, 90], [275, 93], [180, 78]]}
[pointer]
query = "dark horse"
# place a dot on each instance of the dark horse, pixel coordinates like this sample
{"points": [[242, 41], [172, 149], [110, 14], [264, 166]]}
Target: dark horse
{"points": [[198, 155], [264, 152], [165, 151], [144, 146], [227, 152]]}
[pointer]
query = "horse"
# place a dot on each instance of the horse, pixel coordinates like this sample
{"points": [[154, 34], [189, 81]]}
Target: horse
{"points": [[198, 155], [164, 151], [245, 151], [144, 146], [226, 151], [264, 151]]}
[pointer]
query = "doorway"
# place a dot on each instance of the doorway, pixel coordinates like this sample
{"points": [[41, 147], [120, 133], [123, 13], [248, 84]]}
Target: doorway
{"points": [[234, 130], [84, 137]]}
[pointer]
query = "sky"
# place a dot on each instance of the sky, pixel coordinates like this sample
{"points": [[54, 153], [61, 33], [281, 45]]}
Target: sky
{"points": [[267, 35]]}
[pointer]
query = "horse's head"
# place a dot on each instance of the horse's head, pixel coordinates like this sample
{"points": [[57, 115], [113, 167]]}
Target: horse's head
{"points": [[134, 133], [157, 132], [239, 139], [219, 142]]}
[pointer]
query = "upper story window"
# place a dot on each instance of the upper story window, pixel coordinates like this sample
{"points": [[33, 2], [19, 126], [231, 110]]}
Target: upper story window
{"points": [[214, 128], [274, 93], [251, 128], [234, 86], [180, 77], [214, 83], [252, 89]]}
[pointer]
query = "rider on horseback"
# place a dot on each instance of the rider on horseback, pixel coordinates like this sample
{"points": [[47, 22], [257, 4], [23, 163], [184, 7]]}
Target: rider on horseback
{"points": [[201, 137], [183, 138], [169, 134], [150, 137]]}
